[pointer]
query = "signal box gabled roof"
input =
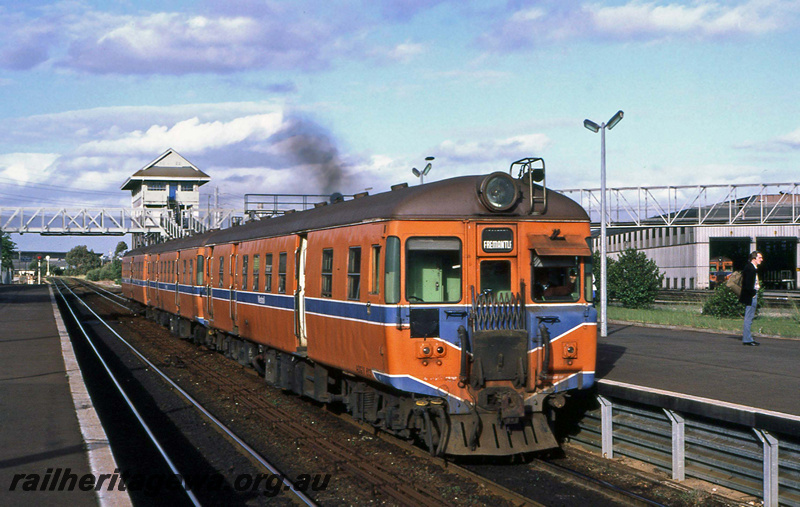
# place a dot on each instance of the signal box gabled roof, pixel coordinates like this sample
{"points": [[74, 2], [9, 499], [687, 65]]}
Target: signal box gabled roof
{"points": [[169, 166]]}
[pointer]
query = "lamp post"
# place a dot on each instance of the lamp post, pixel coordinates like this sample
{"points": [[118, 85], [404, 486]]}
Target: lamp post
{"points": [[423, 172], [603, 264], [47, 258]]}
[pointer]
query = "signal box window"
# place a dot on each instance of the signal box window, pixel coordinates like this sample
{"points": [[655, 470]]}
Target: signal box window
{"points": [[555, 278], [354, 273], [282, 273], [268, 273], [433, 270], [496, 277], [327, 273], [256, 269]]}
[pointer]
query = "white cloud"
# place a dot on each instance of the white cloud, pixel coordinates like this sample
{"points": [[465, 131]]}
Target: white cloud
{"points": [[27, 167], [638, 20], [511, 148], [190, 135], [234, 37], [791, 140]]}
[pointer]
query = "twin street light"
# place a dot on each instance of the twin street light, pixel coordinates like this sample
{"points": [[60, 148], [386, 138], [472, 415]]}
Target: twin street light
{"points": [[423, 172], [589, 124]]}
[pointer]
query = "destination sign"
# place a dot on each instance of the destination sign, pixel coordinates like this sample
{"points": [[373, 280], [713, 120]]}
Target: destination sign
{"points": [[497, 240]]}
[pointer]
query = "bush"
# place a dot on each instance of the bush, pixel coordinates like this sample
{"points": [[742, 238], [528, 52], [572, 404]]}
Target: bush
{"points": [[633, 279], [725, 303], [93, 275], [111, 271]]}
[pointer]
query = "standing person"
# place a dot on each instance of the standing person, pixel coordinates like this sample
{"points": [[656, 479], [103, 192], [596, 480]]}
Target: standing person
{"points": [[749, 295]]}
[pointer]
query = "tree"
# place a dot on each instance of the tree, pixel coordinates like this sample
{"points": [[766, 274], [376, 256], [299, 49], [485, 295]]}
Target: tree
{"points": [[8, 248], [41, 265], [122, 247], [80, 260], [633, 279]]}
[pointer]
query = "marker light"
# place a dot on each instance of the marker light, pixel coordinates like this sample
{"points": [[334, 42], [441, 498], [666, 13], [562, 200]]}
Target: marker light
{"points": [[498, 192]]}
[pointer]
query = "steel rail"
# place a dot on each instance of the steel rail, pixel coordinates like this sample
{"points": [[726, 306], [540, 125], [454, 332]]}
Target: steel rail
{"points": [[122, 392], [271, 468], [98, 289]]}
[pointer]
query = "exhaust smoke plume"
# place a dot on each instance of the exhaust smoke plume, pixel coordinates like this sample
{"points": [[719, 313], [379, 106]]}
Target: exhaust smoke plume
{"points": [[309, 145]]}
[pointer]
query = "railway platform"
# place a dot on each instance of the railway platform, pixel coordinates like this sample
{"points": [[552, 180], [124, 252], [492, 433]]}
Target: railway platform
{"points": [[703, 365], [52, 444]]}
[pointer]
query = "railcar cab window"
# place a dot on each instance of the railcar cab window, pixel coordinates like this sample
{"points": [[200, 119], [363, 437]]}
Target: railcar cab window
{"points": [[496, 277], [555, 278], [433, 270], [221, 269]]}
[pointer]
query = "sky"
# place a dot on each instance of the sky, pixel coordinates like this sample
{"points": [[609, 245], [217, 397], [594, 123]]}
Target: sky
{"points": [[260, 95]]}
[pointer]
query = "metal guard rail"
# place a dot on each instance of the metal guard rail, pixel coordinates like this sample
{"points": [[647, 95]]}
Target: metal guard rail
{"points": [[723, 443]]}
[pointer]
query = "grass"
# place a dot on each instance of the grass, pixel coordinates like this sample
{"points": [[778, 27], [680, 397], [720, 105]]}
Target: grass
{"points": [[691, 316]]}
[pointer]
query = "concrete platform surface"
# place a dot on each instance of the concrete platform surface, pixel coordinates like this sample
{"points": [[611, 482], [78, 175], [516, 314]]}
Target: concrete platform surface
{"points": [[47, 437], [707, 365]]}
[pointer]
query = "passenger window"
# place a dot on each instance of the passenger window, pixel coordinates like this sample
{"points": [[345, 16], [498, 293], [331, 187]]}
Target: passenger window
{"points": [[256, 268], [354, 273], [433, 270], [327, 273], [191, 270], [200, 271], [282, 273], [496, 277], [245, 262], [268, 273], [555, 278]]}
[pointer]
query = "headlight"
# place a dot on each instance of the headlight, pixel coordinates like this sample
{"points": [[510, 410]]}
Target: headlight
{"points": [[498, 192]]}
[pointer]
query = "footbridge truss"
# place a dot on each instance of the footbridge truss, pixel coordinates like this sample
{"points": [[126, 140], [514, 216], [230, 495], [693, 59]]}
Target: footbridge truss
{"points": [[693, 205], [162, 223]]}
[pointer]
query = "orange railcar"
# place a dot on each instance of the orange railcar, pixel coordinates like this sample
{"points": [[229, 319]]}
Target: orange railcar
{"points": [[456, 312]]}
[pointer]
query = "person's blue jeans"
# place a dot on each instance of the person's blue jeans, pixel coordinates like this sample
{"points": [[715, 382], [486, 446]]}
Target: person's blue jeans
{"points": [[749, 315]]}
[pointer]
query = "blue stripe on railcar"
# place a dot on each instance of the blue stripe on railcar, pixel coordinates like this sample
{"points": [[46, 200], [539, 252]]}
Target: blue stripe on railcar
{"points": [[411, 384]]}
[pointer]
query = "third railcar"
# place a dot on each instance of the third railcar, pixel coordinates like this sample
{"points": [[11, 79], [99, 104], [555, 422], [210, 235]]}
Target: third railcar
{"points": [[456, 312]]}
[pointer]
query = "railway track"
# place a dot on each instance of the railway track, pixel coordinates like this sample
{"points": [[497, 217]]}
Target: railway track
{"points": [[779, 300], [72, 300], [375, 476]]}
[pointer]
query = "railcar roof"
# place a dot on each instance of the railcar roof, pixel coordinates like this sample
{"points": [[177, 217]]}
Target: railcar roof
{"points": [[454, 198]]}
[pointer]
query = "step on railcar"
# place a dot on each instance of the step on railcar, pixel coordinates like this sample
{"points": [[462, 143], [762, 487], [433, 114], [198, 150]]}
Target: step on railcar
{"points": [[457, 313]]}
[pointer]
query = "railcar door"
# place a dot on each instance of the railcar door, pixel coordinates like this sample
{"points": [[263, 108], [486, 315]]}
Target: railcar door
{"points": [[497, 258], [232, 266], [209, 285], [176, 263], [158, 281], [300, 292]]}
